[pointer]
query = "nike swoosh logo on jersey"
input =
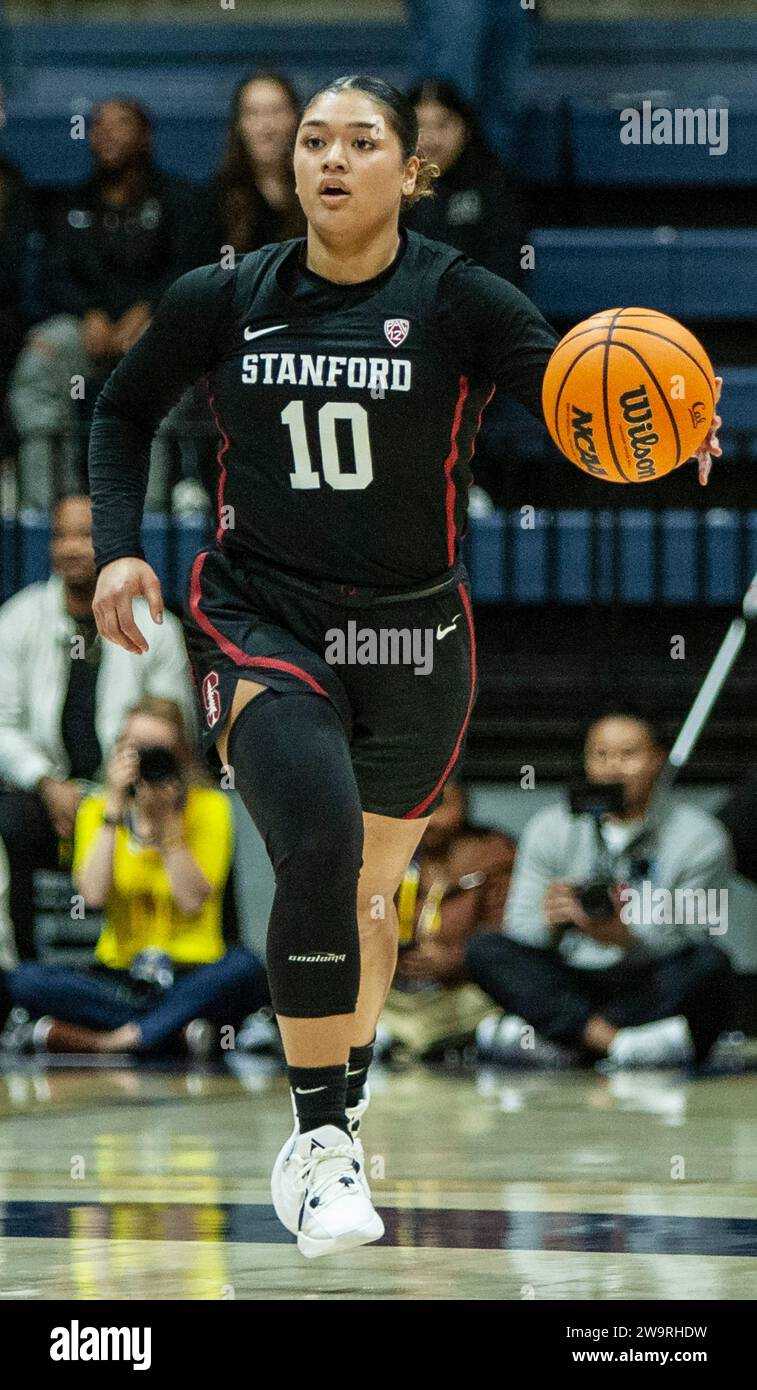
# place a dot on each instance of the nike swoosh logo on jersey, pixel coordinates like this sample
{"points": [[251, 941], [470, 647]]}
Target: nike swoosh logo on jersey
{"points": [[442, 631], [250, 333], [311, 1091]]}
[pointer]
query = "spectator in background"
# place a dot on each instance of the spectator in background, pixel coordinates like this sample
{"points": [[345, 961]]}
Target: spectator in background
{"points": [[253, 197], [455, 887], [63, 694], [15, 221], [8, 953], [485, 47], [153, 852], [117, 242], [252, 202], [477, 206], [638, 991]]}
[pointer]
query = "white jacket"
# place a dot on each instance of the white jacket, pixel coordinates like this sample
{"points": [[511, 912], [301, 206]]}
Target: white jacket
{"points": [[35, 649], [8, 955]]}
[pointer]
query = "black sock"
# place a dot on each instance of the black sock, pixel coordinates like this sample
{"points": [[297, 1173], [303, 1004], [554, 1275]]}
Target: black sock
{"points": [[357, 1071], [320, 1096]]}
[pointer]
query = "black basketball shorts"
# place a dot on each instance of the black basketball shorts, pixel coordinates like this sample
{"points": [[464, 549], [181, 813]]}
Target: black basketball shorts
{"points": [[400, 668]]}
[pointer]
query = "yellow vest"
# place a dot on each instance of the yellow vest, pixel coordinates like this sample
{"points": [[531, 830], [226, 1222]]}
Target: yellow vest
{"points": [[140, 910]]}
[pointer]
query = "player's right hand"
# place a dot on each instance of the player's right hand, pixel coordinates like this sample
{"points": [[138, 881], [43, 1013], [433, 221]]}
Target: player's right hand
{"points": [[118, 584], [561, 904]]}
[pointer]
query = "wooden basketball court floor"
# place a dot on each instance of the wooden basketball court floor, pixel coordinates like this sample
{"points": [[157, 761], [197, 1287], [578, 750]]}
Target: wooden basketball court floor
{"points": [[123, 1183]]}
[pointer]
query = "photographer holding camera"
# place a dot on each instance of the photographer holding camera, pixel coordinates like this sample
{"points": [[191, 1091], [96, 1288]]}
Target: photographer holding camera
{"points": [[581, 957], [63, 696], [154, 853]]}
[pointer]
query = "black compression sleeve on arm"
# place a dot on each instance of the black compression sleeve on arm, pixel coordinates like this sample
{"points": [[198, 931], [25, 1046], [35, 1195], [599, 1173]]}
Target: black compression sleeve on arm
{"points": [[178, 347], [498, 329]]}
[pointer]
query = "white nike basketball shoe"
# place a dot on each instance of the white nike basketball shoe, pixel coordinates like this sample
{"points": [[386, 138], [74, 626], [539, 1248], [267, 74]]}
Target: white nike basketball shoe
{"points": [[354, 1115], [319, 1193]]}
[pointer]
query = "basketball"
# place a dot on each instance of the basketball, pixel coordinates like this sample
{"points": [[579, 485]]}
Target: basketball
{"points": [[628, 395]]}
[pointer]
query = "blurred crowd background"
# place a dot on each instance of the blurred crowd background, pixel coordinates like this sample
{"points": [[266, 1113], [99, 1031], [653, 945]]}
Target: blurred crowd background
{"points": [[133, 893]]}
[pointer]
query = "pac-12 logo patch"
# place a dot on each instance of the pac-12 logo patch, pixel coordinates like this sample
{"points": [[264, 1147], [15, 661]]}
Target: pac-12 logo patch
{"points": [[396, 330], [211, 699]]}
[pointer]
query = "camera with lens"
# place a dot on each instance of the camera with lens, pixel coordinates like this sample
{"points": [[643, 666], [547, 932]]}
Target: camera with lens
{"points": [[595, 898], [596, 799], [157, 764]]}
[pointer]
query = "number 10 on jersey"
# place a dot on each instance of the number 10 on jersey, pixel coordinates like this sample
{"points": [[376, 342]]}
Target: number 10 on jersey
{"points": [[305, 475]]}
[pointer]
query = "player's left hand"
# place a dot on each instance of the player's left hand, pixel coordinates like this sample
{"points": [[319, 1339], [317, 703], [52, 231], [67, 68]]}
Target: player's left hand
{"points": [[710, 445]]}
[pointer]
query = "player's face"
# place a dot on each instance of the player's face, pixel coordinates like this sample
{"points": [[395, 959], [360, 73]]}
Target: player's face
{"points": [[116, 136], [346, 138], [73, 556], [441, 133], [267, 121], [622, 750]]}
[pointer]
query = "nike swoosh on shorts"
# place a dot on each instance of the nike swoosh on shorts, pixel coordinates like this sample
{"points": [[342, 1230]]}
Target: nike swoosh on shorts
{"points": [[442, 631]]}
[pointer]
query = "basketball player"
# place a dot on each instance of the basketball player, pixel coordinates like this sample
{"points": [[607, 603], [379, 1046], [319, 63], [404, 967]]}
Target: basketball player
{"points": [[348, 371]]}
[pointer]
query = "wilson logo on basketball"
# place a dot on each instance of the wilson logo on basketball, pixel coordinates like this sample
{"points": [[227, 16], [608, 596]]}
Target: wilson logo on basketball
{"points": [[582, 428], [698, 414], [637, 412], [211, 699], [396, 330]]}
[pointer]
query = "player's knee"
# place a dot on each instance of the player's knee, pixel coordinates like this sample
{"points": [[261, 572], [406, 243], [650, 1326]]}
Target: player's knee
{"points": [[313, 938], [324, 852], [375, 904]]}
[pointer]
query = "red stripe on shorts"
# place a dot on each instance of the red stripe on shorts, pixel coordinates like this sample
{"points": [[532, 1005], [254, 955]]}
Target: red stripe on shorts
{"points": [[241, 658], [420, 809]]}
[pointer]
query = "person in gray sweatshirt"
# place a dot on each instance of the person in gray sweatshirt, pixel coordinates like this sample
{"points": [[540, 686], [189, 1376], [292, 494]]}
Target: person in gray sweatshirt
{"points": [[635, 971]]}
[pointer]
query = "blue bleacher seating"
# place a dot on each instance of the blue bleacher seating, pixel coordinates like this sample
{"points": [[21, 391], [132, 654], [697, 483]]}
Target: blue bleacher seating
{"points": [[485, 551], [722, 568], [529, 538], [636, 556], [605, 540], [693, 275], [577, 272], [571, 556], [750, 538], [156, 544], [34, 547], [679, 560], [600, 158], [584, 73], [716, 274], [628, 556]]}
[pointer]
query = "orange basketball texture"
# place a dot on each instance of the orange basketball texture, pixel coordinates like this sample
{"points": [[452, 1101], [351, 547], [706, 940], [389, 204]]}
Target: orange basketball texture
{"points": [[628, 395]]}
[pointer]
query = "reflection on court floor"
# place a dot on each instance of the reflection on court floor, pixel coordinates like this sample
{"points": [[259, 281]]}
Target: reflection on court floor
{"points": [[117, 1183]]}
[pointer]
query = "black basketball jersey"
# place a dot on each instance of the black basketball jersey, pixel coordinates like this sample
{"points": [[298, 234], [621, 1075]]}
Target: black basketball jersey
{"points": [[346, 414]]}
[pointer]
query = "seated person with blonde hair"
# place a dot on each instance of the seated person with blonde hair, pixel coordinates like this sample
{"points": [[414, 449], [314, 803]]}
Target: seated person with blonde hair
{"points": [[154, 853]]}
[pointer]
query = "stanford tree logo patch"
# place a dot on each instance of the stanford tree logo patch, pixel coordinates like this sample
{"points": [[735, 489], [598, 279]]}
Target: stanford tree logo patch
{"points": [[211, 699]]}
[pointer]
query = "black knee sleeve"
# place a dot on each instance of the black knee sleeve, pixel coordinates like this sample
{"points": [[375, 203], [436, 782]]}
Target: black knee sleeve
{"points": [[292, 769]]}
